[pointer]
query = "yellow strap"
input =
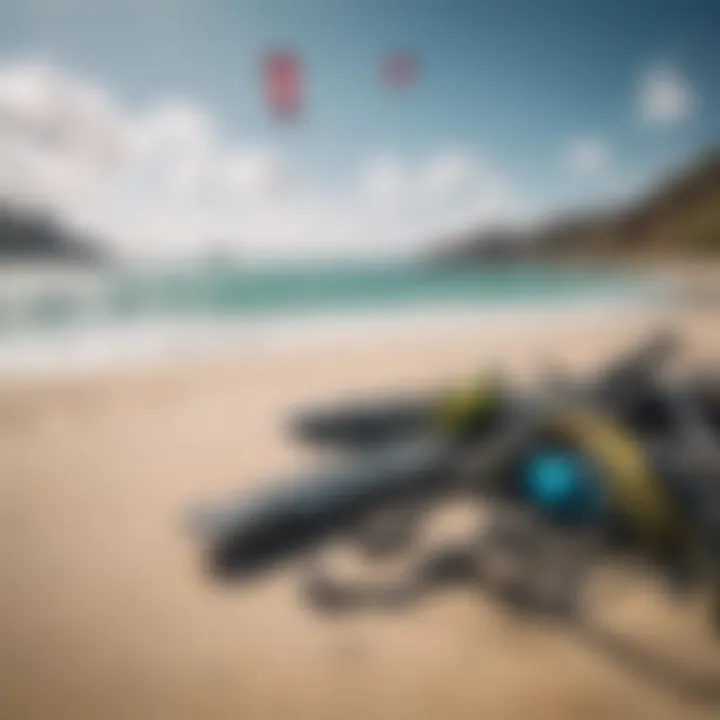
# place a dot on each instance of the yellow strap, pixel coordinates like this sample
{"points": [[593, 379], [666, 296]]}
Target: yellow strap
{"points": [[634, 490], [466, 401]]}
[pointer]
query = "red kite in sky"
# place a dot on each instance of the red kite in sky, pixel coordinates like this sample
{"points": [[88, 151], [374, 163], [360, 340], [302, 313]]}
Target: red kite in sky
{"points": [[399, 69], [282, 80]]}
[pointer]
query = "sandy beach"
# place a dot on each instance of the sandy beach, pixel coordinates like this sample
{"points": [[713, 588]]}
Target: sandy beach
{"points": [[105, 615]]}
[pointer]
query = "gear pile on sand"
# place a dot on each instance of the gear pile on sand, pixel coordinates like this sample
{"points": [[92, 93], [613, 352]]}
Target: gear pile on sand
{"points": [[623, 463]]}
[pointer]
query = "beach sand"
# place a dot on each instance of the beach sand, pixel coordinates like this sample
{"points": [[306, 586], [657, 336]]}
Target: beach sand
{"points": [[104, 613]]}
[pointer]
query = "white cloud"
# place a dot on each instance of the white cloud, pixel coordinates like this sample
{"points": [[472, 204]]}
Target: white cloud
{"points": [[165, 180], [665, 96], [445, 176], [259, 173], [587, 155], [386, 182], [449, 173]]}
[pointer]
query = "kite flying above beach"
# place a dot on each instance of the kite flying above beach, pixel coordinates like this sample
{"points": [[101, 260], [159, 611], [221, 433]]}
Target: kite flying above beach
{"points": [[282, 80]]}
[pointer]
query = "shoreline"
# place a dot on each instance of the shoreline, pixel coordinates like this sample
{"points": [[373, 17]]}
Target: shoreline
{"points": [[166, 343]]}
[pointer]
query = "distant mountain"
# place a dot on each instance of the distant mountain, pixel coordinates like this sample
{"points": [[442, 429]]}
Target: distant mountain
{"points": [[678, 218], [26, 235]]}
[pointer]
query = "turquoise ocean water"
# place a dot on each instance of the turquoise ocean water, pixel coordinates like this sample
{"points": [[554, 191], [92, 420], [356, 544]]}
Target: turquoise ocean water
{"points": [[235, 293], [142, 313]]}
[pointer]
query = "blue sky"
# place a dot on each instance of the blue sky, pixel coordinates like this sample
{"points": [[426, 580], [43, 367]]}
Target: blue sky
{"points": [[517, 84]]}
